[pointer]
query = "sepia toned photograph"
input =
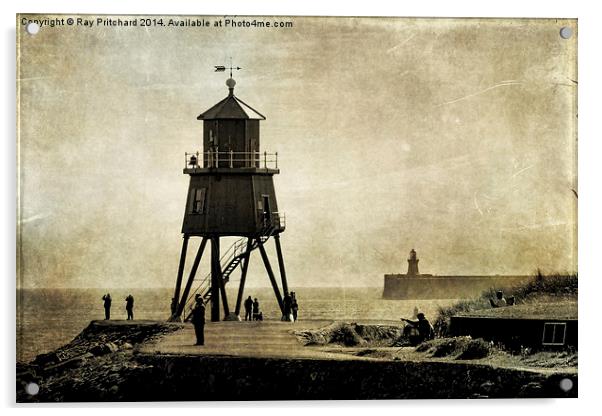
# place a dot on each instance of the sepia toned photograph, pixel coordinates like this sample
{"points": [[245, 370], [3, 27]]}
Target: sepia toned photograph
{"points": [[235, 208]]}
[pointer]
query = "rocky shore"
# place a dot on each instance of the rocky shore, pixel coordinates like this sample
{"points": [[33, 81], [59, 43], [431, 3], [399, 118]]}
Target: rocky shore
{"points": [[122, 361]]}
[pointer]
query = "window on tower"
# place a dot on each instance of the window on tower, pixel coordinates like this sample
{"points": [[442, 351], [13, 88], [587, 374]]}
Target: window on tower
{"points": [[198, 201]]}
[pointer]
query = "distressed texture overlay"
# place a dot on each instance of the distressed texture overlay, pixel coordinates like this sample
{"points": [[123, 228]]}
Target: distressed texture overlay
{"points": [[454, 136]]}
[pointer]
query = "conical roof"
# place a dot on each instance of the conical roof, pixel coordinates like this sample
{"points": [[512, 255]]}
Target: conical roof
{"points": [[231, 107]]}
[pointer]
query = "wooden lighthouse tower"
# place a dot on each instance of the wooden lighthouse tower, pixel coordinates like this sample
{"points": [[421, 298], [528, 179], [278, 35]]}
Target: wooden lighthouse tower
{"points": [[231, 193]]}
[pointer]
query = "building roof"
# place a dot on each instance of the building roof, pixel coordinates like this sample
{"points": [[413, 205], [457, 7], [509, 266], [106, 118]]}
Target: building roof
{"points": [[565, 310], [231, 107]]}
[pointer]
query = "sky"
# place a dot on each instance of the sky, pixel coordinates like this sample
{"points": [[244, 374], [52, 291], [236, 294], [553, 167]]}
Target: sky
{"points": [[453, 137]]}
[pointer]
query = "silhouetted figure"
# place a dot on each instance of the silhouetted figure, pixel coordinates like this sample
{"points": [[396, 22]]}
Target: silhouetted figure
{"points": [[287, 303], [255, 309], [420, 330], [107, 304], [248, 309], [294, 306], [129, 307], [198, 320], [499, 300]]}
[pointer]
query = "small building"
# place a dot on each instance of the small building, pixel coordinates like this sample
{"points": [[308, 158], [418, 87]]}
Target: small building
{"points": [[549, 325]]}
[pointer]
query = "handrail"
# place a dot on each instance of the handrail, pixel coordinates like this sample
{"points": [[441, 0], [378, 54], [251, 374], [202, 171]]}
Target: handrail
{"points": [[237, 249], [231, 159]]}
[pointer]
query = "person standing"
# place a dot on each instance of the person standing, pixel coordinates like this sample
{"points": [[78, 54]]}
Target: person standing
{"points": [[248, 309], [287, 301], [129, 307], [294, 306], [198, 320], [107, 305], [255, 309]]}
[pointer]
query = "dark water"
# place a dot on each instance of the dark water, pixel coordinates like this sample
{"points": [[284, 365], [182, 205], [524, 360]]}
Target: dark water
{"points": [[49, 318]]}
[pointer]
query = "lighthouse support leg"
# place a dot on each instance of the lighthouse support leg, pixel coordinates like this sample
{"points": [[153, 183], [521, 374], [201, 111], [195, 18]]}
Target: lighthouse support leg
{"points": [[216, 272], [268, 268], [281, 264], [222, 286], [195, 266], [176, 295], [243, 277]]}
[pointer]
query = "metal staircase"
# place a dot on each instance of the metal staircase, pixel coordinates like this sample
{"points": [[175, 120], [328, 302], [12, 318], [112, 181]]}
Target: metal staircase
{"points": [[232, 258]]}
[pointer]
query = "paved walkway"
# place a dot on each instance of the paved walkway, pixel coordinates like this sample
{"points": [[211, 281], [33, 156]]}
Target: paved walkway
{"points": [[244, 339]]}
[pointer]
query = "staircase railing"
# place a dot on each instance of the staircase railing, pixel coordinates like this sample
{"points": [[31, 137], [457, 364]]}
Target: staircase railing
{"points": [[234, 254]]}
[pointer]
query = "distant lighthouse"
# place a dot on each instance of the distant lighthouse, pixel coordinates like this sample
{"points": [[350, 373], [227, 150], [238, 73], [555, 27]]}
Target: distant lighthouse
{"points": [[413, 264]]}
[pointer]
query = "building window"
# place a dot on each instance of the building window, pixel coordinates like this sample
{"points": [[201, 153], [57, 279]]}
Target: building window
{"points": [[198, 201], [554, 333]]}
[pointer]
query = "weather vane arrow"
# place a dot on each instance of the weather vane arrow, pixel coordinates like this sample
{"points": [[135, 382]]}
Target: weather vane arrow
{"points": [[222, 68]]}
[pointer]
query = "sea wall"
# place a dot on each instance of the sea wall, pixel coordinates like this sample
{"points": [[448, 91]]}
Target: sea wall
{"points": [[236, 378], [401, 286], [104, 363]]}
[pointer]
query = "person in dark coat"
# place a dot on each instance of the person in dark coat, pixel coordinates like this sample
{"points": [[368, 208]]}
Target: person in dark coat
{"points": [[248, 309], [294, 306], [198, 320], [420, 330], [255, 309], [287, 303], [129, 307], [107, 304]]}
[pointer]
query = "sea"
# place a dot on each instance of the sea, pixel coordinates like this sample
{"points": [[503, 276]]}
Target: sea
{"points": [[50, 318]]}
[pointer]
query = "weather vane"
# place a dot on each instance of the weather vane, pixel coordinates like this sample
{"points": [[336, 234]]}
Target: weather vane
{"points": [[222, 68]]}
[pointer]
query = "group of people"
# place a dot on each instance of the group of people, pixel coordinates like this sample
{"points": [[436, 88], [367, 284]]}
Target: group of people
{"points": [[129, 306], [291, 307], [252, 312]]}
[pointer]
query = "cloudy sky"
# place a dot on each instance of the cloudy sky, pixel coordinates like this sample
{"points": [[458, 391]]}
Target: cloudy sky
{"points": [[453, 137]]}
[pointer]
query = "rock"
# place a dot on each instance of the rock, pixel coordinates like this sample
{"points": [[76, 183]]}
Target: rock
{"points": [[532, 390], [103, 349], [67, 364], [349, 337], [232, 317], [487, 388], [46, 359]]}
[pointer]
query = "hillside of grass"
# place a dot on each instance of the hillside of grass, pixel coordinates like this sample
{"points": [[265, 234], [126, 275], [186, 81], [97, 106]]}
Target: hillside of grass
{"points": [[541, 288]]}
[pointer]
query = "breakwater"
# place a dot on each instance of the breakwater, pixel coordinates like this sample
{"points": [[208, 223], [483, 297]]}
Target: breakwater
{"points": [[402, 286]]}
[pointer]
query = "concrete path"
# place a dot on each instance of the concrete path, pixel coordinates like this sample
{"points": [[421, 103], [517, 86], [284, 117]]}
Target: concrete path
{"points": [[244, 339]]}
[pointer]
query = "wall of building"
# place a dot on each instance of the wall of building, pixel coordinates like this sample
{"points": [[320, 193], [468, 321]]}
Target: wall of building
{"points": [[514, 333]]}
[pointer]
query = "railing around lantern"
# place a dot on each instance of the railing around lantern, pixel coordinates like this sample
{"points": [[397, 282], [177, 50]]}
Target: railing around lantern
{"points": [[231, 159]]}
